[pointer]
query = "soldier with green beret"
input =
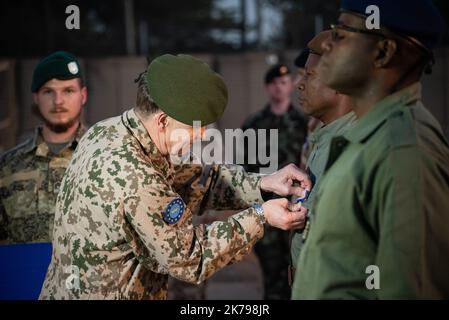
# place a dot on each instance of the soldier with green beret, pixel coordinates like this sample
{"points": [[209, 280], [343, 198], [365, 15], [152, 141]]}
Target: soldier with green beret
{"points": [[381, 211], [124, 214], [31, 173]]}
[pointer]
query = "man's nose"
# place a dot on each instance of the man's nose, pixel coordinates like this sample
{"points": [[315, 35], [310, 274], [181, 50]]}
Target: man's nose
{"points": [[58, 98], [326, 45]]}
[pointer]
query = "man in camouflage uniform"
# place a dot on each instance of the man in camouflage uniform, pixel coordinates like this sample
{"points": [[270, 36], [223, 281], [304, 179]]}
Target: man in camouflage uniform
{"points": [[282, 115], [124, 215], [31, 173]]}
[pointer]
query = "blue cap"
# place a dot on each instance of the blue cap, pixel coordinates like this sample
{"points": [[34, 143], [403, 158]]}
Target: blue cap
{"points": [[418, 19]]}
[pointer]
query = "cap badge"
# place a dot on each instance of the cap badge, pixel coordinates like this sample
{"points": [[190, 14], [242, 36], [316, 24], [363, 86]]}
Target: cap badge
{"points": [[73, 67]]}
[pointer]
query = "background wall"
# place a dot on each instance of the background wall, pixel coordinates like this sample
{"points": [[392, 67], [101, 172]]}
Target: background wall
{"points": [[111, 89]]}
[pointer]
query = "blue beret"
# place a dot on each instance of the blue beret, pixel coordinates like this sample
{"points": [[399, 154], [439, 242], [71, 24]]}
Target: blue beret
{"points": [[418, 19], [59, 65]]}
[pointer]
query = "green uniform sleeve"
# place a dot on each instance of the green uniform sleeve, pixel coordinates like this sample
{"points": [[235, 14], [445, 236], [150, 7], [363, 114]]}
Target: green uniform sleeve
{"points": [[187, 252], [412, 192]]}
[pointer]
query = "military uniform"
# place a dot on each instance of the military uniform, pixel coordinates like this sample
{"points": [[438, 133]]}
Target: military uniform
{"points": [[383, 201], [30, 177], [124, 218], [292, 131], [273, 249], [320, 141]]}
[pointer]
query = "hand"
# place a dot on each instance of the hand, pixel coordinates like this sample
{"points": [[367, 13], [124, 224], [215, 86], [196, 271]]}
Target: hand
{"points": [[277, 213], [282, 182]]}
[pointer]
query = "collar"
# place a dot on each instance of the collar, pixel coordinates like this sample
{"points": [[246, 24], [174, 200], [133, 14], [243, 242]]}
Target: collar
{"points": [[332, 129], [135, 126], [381, 111], [36, 142]]}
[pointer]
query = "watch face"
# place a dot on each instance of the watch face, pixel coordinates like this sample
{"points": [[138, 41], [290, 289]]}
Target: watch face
{"points": [[259, 209]]}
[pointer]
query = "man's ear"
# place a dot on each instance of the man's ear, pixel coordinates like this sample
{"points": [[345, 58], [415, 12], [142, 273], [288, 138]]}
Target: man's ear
{"points": [[161, 121], [83, 95], [386, 49], [35, 100]]}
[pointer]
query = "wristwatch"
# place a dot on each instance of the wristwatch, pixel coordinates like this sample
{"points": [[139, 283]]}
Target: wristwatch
{"points": [[259, 211]]}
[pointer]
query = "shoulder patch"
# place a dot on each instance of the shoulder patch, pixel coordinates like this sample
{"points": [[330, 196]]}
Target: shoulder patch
{"points": [[174, 211]]}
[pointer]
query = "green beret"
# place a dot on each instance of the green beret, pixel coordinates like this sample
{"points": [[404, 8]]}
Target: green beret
{"points": [[186, 89], [59, 65]]}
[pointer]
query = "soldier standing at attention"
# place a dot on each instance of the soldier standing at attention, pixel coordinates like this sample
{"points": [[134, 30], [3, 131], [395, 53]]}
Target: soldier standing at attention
{"points": [[31, 173], [334, 111], [281, 114], [381, 212], [124, 215]]}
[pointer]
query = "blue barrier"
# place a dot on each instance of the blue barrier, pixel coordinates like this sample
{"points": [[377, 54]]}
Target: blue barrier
{"points": [[22, 270]]}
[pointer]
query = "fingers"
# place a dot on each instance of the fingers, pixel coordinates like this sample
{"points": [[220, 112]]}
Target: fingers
{"points": [[297, 174], [297, 226], [283, 202], [294, 206], [298, 216], [296, 219], [278, 214], [297, 191]]}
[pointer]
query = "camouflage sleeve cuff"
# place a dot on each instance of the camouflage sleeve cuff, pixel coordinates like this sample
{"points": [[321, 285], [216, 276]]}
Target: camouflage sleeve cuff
{"points": [[254, 196], [252, 223]]}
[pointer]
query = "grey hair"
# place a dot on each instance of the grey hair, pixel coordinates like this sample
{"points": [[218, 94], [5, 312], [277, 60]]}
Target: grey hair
{"points": [[145, 104]]}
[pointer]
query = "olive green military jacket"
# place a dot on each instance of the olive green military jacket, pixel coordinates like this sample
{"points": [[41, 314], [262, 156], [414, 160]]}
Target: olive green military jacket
{"points": [[381, 215], [30, 177], [320, 141], [112, 236]]}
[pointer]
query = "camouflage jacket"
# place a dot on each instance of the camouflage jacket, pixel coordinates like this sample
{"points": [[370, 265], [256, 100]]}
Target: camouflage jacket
{"points": [[292, 131], [30, 177], [111, 240]]}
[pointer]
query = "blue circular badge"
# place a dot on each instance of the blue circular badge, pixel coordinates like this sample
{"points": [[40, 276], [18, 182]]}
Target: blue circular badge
{"points": [[174, 211]]}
